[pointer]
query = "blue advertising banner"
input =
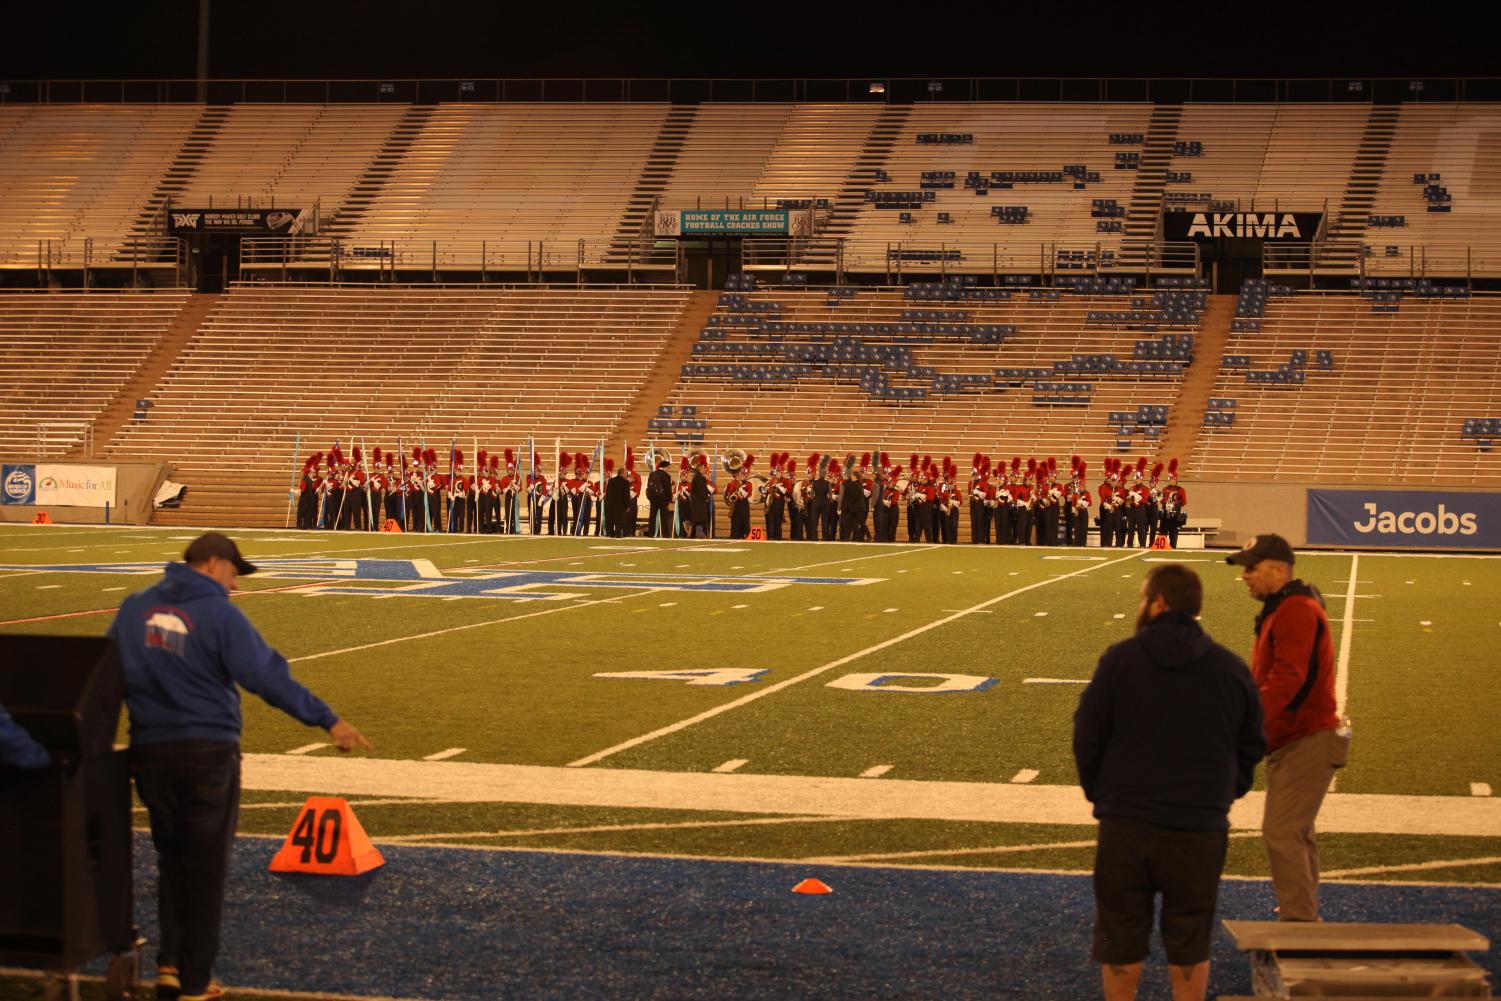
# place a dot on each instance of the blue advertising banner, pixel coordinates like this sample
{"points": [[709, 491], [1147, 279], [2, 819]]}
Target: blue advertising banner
{"points": [[17, 484], [1404, 519]]}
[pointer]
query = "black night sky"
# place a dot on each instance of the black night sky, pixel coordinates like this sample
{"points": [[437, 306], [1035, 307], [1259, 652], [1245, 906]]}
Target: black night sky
{"points": [[344, 39]]}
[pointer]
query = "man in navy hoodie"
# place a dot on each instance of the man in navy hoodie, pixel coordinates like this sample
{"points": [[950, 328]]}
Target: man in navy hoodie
{"points": [[1167, 735], [185, 647]]}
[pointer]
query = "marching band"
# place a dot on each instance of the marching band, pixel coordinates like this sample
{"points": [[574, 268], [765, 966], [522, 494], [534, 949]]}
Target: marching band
{"points": [[861, 498]]}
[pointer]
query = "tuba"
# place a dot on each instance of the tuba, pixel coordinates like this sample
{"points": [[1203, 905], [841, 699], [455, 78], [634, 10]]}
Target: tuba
{"points": [[732, 460]]}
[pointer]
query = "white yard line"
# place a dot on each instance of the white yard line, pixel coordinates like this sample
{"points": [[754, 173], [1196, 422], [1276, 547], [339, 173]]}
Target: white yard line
{"points": [[474, 782], [1411, 867], [1347, 627], [991, 850], [473, 625], [809, 566], [840, 662], [604, 828]]}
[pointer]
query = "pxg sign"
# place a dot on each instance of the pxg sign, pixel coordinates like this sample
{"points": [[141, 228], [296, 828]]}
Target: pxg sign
{"points": [[1404, 519]]}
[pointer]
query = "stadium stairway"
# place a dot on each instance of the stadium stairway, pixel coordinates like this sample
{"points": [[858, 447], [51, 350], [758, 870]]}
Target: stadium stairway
{"points": [[153, 368], [850, 201], [1145, 209], [1186, 418], [378, 172], [658, 386], [179, 173], [636, 222]]}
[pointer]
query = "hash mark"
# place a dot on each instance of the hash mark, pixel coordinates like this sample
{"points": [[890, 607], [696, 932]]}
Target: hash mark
{"points": [[444, 755], [1119, 615], [305, 748], [47, 587], [1025, 775], [1480, 789], [740, 606], [875, 772], [816, 608], [1040, 615], [667, 604], [732, 765]]}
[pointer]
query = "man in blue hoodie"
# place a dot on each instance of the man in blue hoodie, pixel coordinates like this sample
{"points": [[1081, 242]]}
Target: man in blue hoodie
{"points": [[1167, 735], [185, 647]]}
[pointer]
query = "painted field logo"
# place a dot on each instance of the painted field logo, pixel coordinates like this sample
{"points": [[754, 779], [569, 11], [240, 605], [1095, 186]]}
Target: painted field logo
{"points": [[1442, 522], [421, 579], [18, 486]]}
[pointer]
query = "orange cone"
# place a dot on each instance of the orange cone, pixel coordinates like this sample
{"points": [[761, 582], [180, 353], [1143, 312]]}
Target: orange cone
{"points": [[1161, 543], [42, 518], [758, 535], [327, 839], [811, 885], [390, 526]]}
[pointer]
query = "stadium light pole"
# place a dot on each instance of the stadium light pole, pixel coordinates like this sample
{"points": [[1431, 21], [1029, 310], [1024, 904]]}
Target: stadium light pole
{"points": [[203, 51]]}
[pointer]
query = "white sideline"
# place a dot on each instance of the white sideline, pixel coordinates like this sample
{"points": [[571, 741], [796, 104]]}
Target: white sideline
{"points": [[840, 662], [1342, 669], [998, 802]]}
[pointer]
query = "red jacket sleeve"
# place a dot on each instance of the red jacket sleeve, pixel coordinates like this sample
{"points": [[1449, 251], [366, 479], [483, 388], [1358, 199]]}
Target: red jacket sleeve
{"points": [[1282, 667]]}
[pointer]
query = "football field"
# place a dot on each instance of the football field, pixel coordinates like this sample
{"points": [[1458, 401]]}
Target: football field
{"points": [[888, 705]]}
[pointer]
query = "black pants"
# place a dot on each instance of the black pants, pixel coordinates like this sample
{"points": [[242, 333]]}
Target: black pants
{"points": [[191, 790]]}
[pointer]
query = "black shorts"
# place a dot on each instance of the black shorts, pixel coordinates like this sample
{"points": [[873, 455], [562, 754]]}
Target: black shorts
{"points": [[1135, 861]]}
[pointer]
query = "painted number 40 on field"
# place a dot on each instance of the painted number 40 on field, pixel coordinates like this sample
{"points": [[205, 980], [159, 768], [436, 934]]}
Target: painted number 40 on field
{"points": [[720, 677]]}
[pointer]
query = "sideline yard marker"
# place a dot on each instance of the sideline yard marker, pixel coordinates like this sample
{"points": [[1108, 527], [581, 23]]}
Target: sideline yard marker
{"points": [[328, 840], [811, 885]]}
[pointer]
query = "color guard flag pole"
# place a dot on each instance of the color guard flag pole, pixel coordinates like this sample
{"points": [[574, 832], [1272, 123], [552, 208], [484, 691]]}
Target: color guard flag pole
{"points": [[364, 468], [401, 497], [427, 515], [296, 451]]}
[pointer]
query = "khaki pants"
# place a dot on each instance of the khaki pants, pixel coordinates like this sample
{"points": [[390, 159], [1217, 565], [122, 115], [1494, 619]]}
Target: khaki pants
{"points": [[1297, 778]]}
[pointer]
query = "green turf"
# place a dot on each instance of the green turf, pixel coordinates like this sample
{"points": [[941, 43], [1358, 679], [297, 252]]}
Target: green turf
{"points": [[515, 682]]}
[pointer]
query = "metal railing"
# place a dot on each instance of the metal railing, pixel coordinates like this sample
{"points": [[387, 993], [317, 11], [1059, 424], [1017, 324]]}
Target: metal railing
{"points": [[60, 437], [1381, 260], [85, 254], [876, 90], [533, 258]]}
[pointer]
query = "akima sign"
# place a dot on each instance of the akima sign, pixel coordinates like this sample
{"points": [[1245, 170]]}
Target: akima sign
{"points": [[1289, 226], [1404, 519]]}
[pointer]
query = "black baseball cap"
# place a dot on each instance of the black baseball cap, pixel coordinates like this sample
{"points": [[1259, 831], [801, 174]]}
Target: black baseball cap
{"points": [[211, 544], [1262, 547]]}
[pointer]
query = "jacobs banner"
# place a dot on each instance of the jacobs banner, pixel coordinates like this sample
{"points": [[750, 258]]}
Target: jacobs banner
{"points": [[1404, 519]]}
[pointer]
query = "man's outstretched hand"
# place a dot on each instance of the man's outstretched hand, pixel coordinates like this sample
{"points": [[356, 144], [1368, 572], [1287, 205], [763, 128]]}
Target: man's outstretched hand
{"points": [[347, 738]]}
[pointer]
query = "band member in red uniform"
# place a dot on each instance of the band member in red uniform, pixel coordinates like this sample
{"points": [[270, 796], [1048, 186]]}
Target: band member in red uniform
{"points": [[539, 499], [307, 492], [949, 501], [1021, 505], [737, 494], [774, 498], [633, 506], [1081, 503], [1174, 514]]}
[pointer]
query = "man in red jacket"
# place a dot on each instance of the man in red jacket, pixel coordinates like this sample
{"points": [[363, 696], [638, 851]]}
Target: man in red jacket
{"points": [[1293, 664]]}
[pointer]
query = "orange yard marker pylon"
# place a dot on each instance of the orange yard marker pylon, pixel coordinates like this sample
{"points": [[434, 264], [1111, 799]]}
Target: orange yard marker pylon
{"points": [[811, 885], [326, 838]]}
